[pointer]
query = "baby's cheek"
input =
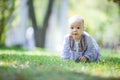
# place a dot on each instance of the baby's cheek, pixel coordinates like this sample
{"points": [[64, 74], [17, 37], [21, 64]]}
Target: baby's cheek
{"points": [[71, 33]]}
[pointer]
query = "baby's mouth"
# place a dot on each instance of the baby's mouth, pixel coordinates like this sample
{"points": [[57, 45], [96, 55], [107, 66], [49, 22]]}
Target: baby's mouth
{"points": [[75, 34]]}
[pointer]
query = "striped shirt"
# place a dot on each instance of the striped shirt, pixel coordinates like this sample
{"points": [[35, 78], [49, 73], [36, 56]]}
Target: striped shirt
{"points": [[90, 49]]}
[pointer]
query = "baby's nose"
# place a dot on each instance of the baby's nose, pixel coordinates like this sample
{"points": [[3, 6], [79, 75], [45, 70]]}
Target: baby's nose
{"points": [[74, 29]]}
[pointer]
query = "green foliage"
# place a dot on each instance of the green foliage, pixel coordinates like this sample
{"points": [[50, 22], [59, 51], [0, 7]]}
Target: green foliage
{"points": [[6, 9], [39, 64]]}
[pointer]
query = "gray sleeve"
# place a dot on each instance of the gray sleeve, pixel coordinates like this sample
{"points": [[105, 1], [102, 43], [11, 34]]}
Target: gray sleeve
{"points": [[91, 52], [66, 49]]}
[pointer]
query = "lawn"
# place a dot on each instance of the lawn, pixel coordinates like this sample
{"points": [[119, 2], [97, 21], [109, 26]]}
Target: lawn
{"points": [[40, 64]]}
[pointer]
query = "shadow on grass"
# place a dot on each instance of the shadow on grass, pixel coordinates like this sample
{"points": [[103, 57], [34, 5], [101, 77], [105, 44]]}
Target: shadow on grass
{"points": [[8, 73], [34, 67]]}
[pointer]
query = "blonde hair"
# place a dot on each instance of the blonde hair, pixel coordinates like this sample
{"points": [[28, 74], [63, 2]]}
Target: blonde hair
{"points": [[74, 19]]}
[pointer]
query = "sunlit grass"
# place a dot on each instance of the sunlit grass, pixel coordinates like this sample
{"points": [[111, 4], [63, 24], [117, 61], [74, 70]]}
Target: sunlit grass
{"points": [[40, 64]]}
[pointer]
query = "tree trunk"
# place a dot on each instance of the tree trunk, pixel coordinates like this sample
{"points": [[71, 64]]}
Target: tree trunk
{"points": [[2, 26], [40, 33]]}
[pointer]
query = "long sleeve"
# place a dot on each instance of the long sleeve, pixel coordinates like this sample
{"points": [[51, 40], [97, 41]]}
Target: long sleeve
{"points": [[93, 52], [66, 49]]}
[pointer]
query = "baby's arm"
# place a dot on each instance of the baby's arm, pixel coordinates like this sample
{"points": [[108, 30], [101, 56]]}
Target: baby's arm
{"points": [[91, 53], [66, 49]]}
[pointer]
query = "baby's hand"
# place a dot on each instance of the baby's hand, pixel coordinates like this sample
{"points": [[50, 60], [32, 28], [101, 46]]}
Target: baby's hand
{"points": [[83, 59]]}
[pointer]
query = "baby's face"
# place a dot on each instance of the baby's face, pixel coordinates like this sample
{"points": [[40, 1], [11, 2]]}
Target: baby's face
{"points": [[76, 29]]}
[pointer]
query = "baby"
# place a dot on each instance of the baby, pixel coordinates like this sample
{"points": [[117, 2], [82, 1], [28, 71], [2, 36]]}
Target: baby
{"points": [[79, 45]]}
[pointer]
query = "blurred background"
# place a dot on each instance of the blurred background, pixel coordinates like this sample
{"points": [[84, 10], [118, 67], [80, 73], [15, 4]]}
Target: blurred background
{"points": [[43, 23]]}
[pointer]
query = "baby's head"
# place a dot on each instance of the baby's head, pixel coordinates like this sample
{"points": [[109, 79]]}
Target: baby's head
{"points": [[76, 25], [76, 19]]}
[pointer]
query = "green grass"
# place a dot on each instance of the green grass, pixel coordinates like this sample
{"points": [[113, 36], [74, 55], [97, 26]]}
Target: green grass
{"points": [[39, 64]]}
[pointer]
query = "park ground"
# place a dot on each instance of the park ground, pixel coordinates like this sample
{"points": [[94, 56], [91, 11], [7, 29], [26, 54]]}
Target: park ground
{"points": [[41, 64]]}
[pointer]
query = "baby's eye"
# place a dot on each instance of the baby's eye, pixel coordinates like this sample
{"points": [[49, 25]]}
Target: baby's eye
{"points": [[71, 27], [78, 27]]}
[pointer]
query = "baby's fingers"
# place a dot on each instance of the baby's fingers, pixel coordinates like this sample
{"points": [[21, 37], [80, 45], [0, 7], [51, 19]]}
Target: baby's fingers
{"points": [[83, 59]]}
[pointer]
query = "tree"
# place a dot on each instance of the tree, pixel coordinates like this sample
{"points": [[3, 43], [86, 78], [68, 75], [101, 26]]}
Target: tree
{"points": [[6, 9], [40, 32]]}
